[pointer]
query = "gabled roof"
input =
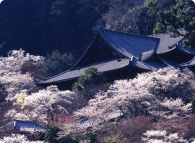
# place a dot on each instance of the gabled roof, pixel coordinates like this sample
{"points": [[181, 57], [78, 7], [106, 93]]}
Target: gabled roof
{"points": [[142, 52], [26, 126], [129, 44], [74, 74]]}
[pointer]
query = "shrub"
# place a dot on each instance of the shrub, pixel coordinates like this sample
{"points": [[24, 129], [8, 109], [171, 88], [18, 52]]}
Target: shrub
{"points": [[55, 63], [51, 134], [134, 128], [88, 136], [189, 131], [3, 93], [90, 83], [62, 120], [29, 67]]}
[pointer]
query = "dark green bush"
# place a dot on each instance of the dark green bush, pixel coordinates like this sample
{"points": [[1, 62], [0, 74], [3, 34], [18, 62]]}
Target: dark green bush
{"points": [[90, 83], [3, 93], [51, 134], [55, 63]]}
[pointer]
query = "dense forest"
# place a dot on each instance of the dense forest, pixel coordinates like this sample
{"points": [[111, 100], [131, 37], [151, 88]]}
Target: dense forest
{"points": [[41, 26]]}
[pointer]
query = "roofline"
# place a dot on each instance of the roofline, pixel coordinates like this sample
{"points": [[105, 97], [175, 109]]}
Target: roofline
{"points": [[91, 65], [96, 36], [166, 63], [114, 48], [180, 65], [145, 36], [137, 35], [112, 41], [186, 51], [69, 79], [173, 47]]}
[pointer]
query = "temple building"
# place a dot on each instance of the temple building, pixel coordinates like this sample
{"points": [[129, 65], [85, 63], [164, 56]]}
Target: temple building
{"points": [[122, 55]]}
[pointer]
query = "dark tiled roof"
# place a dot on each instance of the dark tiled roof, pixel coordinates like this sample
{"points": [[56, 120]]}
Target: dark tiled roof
{"points": [[167, 43], [169, 63], [189, 51], [155, 65], [146, 55], [129, 44], [137, 51], [26, 126], [188, 64], [101, 67], [23, 126], [140, 65]]}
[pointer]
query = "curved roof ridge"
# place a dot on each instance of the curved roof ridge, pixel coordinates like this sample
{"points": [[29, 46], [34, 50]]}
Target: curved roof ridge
{"points": [[167, 62], [189, 51], [129, 44], [145, 36], [113, 42], [188, 63]]}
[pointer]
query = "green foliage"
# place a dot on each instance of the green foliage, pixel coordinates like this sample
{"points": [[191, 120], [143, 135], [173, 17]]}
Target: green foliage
{"points": [[90, 78], [88, 136], [135, 108], [55, 64], [51, 134], [152, 5], [3, 93], [179, 16]]}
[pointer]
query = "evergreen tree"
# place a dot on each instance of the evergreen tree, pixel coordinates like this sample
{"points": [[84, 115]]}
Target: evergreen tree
{"points": [[55, 63], [90, 78], [181, 15]]}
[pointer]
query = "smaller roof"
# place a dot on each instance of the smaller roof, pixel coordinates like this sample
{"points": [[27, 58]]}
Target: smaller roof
{"points": [[189, 51], [26, 126], [167, 43], [188, 64], [23, 126], [74, 74]]}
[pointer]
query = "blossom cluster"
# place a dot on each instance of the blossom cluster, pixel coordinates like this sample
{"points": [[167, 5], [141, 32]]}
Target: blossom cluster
{"points": [[10, 75], [138, 90], [44, 103], [155, 136], [16, 138]]}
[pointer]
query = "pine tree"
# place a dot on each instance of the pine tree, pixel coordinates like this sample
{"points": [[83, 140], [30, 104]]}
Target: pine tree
{"points": [[181, 15]]}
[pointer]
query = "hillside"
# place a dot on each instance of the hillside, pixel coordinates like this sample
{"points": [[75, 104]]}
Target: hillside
{"points": [[153, 106], [41, 26], [44, 38]]}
